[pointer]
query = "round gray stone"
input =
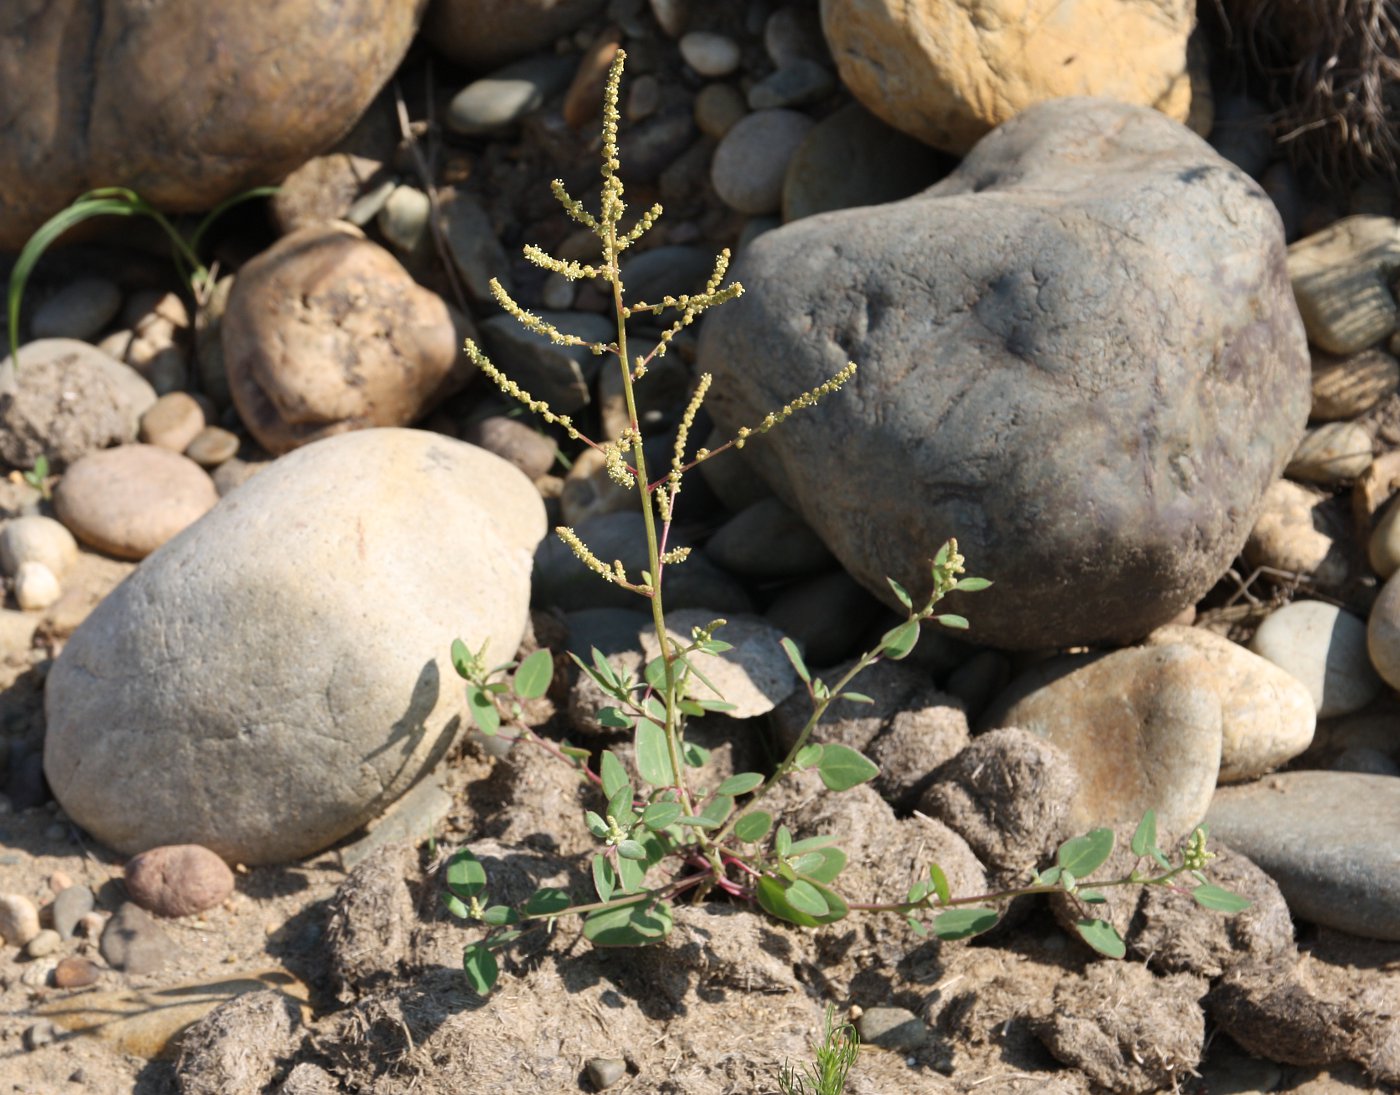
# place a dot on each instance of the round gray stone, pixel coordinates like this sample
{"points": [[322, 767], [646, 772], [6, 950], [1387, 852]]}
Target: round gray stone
{"points": [[1325, 648]]}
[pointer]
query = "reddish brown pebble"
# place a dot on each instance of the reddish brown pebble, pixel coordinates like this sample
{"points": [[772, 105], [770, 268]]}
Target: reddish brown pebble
{"points": [[178, 880], [584, 94], [76, 973]]}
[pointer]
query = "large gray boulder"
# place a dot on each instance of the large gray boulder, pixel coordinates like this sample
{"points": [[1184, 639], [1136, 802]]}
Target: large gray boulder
{"points": [[1079, 354], [273, 677]]}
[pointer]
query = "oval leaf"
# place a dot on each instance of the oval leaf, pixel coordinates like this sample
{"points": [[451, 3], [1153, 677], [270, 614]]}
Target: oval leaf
{"points": [[1085, 854], [653, 758], [940, 883], [461, 659], [753, 827], [533, 677], [807, 756], [466, 877], [498, 916], [794, 655], [953, 620], [1102, 936], [660, 814], [1221, 900], [740, 784], [480, 967], [803, 897], [842, 768], [483, 710], [547, 901], [830, 863], [1145, 835], [632, 925], [963, 923], [612, 773], [902, 593], [972, 585], [604, 878], [898, 641]]}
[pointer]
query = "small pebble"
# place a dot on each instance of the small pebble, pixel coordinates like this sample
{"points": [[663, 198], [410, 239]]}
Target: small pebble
{"points": [[178, 880], [751, 161], [37, 539], [1349, 386], [603, 1072], [59, 881], [513, 440], [173, 421], [156, 314], [19, 919], [710, 54], [558, 292], [134, 941], [892, 1028], [718, 108], [79, 310], [162, 364], [584, 98], [403, 219], [670, 16], [70, 907], [36, 587], [212, 446], [794, 33], [487, 106], [40, 1034], [1324, 647], [91, 925], [643, 97], [1331, 454], [47, 942], [797, 83], [76, 973]]}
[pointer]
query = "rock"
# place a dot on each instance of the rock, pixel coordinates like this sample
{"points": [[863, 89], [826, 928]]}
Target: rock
{"points": [[47, 942], [768, 540], [19, 919], [69, 907], [493, 104], [943, 405], [1008, 795], [583, 99], [178, 880], [825, 616], [342, 573], [68, 399], [797, 83], [36, 588], [658, 399], [81, 309], [557, 375], [718, 108], [946, 75], [328, 60], [76, 973], [851, 158], [326, 332], [1383, 548], [603, 1072], [562, 581], [16, 633], [897, 1029], [1350, 386], [1267, 716], [481, 34], [36, 539], [709, 54], [235, 472], [412, 820], [1125, 1029], [1136, 725], [130, 500], [1324, 838], [589, 491], [1383, 633], [37, 1035], [752, 159], [134, 941], [1331, 454], [212, 447], [403, 218], [515, 442], [1341, 280], [755, 676], [1324, 647], [476, 251], [173, 422], [209, 343], [342, 182], [1301, 531]]}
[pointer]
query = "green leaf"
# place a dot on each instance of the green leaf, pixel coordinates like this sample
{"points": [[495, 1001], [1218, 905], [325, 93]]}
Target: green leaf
{"points": [[718, 808], [466, 877], [842, 768], [695, 672], [1102, 936], [500, 940], [655, 673], [972, 585], [631, 849], [753, 827], [954, 621], [1092, 897], [1083, 855], [957, 924], [740, 784], [856, 697], [699, 822], [898, 641], [481, 968], [829, 862], [794, 655], [941, 559], [772, 896], [661, 814], [498, 916], [631, 925], [652, 757], [456, 906], [632, 874], [604, 878], [1145, 835], [596, 825], [483, 710], [463, 660], [902, 593], [714, 646], [782, 843], [620, 806], [807, 756], [917, 926], [1219, 899], [612, 773], [602, 672], [547, 901], [804, 897], [533, 677], [806, 844], [694, 756], [940, 883]]}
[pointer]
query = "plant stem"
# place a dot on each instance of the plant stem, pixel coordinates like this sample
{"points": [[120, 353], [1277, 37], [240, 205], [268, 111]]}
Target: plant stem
{"points": [[931, 901]]}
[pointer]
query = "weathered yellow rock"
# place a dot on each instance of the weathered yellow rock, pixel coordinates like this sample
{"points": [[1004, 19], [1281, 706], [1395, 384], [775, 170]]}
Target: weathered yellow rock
{"points": [[947, 71]]}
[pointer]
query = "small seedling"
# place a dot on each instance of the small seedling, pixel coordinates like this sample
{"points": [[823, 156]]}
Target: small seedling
{"points": [[667, 834], [835, 1055], [38, 477]]}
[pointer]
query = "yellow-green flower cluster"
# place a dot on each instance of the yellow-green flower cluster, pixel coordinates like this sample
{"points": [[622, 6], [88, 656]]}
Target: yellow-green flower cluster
{"points": [[806, 399]]}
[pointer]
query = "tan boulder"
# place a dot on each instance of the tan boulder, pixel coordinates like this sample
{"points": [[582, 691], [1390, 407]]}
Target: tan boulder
{"points": [[326, 332], [947, 71]]}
